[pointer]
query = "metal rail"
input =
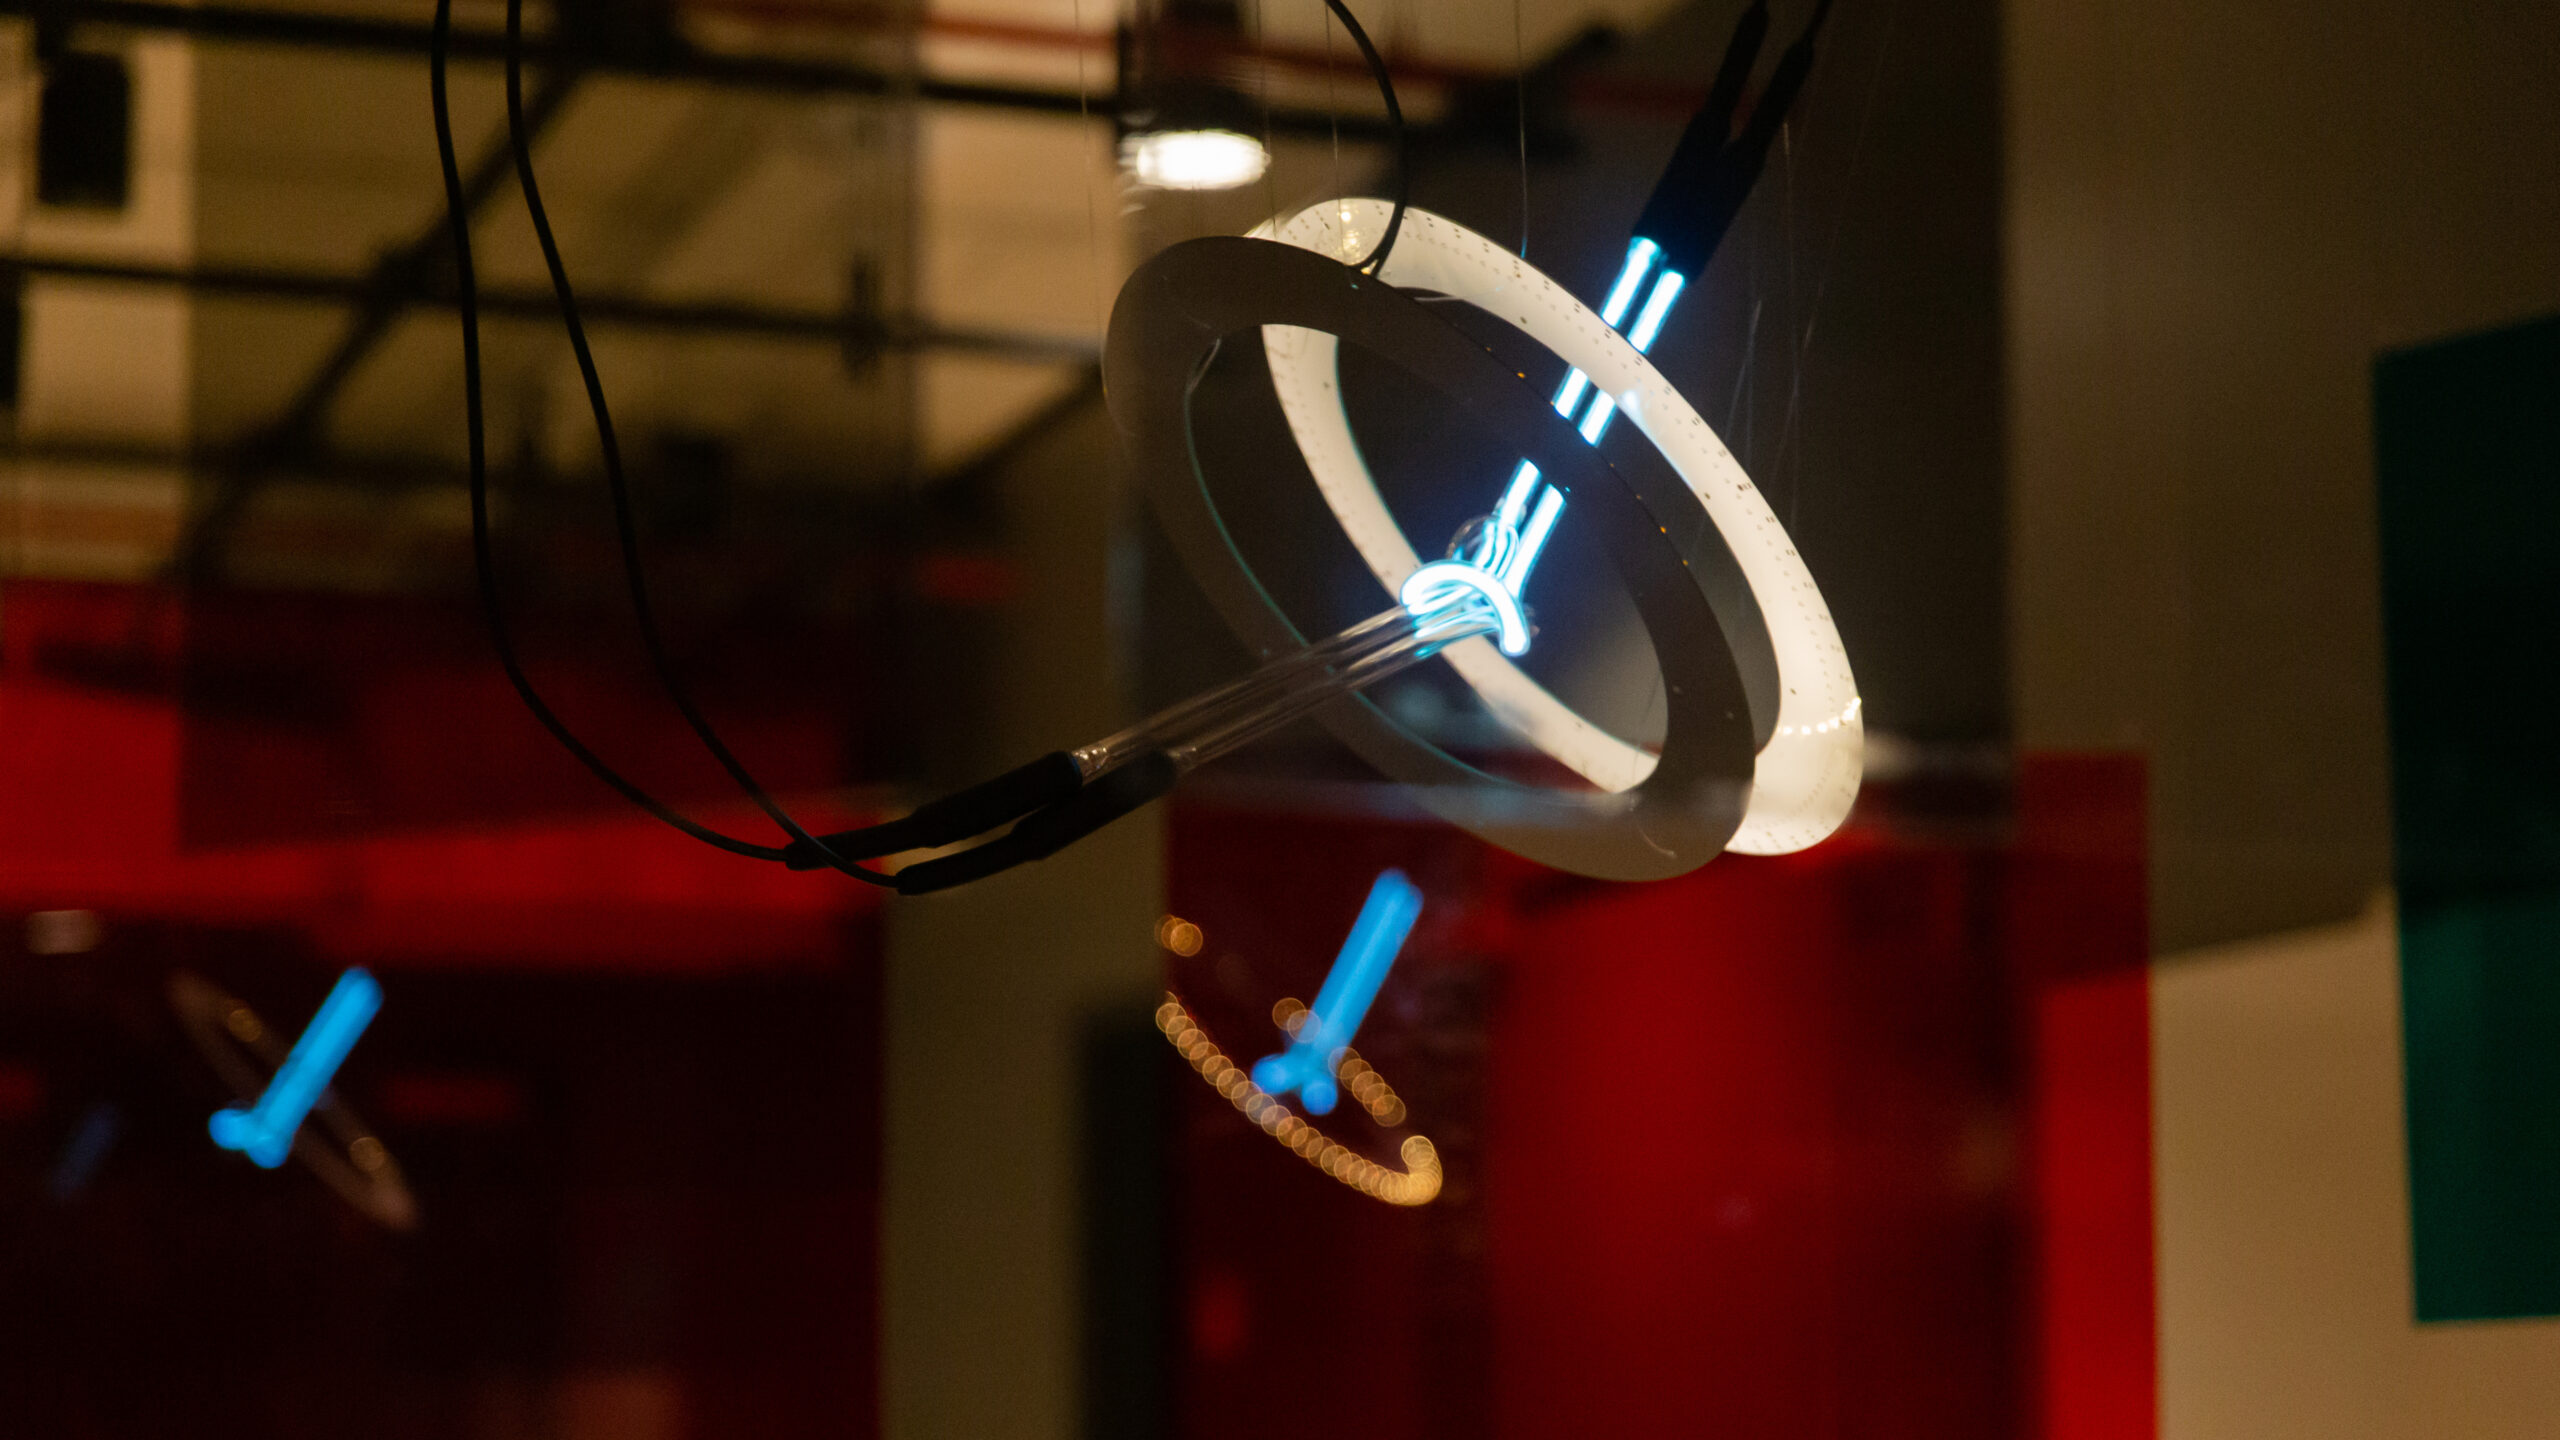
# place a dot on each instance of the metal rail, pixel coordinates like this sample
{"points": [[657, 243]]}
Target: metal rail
{"points": [[638, 312], [674, 60]]}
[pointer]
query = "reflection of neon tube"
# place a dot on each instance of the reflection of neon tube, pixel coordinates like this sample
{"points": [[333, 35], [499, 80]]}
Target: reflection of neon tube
{"points": [[1307, 1066], [265, 1131]]}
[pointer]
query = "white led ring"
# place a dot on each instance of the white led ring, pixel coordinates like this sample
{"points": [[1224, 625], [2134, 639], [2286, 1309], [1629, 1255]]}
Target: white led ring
{"points": [[1806, 777]]}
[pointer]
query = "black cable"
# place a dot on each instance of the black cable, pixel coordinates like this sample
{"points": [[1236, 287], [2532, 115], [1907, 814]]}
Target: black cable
{"points": [[483, 560], [635, 578], [1714, 167], [1395, 120]]}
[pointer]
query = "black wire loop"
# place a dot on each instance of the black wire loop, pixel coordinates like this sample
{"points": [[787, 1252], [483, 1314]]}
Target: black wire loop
{"points": [[635, 576], [1377, 256], [1045, 801], [484, 563]]}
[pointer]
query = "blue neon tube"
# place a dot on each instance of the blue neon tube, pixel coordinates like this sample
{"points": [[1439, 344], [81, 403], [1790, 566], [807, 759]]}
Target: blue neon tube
{"points": [[265, 1131], [1517, 506]]}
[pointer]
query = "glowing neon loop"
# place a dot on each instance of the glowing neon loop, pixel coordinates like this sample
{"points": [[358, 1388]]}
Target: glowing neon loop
{"points": [[1443, 584], [1806, 775], [265, 1131], [1569, 395], [1368, 952]]}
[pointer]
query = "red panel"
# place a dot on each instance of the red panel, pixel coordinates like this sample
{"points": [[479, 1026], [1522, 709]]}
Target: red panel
{"points": [[90, 818], [1853, 1143], [2080, 931], [1749, 1160], [1307, 1308]]}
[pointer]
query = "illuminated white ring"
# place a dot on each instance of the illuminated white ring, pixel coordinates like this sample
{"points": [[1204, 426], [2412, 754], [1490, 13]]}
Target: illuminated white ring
{"points": [[1806, 777], [1430, 587]]}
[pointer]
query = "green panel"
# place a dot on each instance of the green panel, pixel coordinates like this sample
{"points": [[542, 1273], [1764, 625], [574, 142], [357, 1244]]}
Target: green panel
{"points": [[2468, 440]]}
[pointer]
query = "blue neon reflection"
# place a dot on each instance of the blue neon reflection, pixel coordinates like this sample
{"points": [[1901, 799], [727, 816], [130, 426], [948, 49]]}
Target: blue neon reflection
{"points": [[265, 1131], [1308, 1064]]}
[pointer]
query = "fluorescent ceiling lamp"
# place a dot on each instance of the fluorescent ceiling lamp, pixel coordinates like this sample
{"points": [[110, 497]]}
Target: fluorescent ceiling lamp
{"points": [[1193, 159]]}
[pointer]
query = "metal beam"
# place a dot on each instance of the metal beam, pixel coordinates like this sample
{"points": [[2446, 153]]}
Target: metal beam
{"points": [[720, 317], [680, 61]]}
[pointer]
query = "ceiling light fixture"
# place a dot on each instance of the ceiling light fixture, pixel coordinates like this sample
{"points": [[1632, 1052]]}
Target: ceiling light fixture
{"points": [[1193, 159]]}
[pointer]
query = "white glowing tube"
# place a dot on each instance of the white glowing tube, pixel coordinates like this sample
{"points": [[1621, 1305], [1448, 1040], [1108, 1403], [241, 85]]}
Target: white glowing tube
{"points": [[1515, 570], [1649, 323], [1515, 500], [1597, 421], [1443, 584], [1569, 394], [1621, 295], [1807, 775]]}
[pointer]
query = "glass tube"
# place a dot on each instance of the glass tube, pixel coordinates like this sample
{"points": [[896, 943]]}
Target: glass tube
{"points": [[1229, 717]]}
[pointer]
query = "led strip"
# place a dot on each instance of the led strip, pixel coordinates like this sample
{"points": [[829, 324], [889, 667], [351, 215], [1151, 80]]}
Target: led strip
{"points": [[1806, 777]]}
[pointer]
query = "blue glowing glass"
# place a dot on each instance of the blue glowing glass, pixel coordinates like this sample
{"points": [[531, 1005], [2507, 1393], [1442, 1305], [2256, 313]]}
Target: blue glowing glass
{"points": [[1517, 514], [1447, 584], [1533, 538], [1308, 1064], [264, 1132], [1657, 306], [1640, 253], [1595, 422], [1569, 394], [1515, 499]]}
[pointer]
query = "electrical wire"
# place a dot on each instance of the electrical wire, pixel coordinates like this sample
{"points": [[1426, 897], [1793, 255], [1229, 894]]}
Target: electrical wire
{"points": [[1045, 803], [1395, 122], [484, 561], [626, 530]]}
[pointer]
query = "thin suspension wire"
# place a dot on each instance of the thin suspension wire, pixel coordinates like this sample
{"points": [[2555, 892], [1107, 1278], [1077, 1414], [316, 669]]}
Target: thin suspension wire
{"points": [[1794, 430], [484, 562], [626, 530], [1262, 94], [1795, 341], [1092, 221], [1332, 106], [1395, 121], [1520, 112]]}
